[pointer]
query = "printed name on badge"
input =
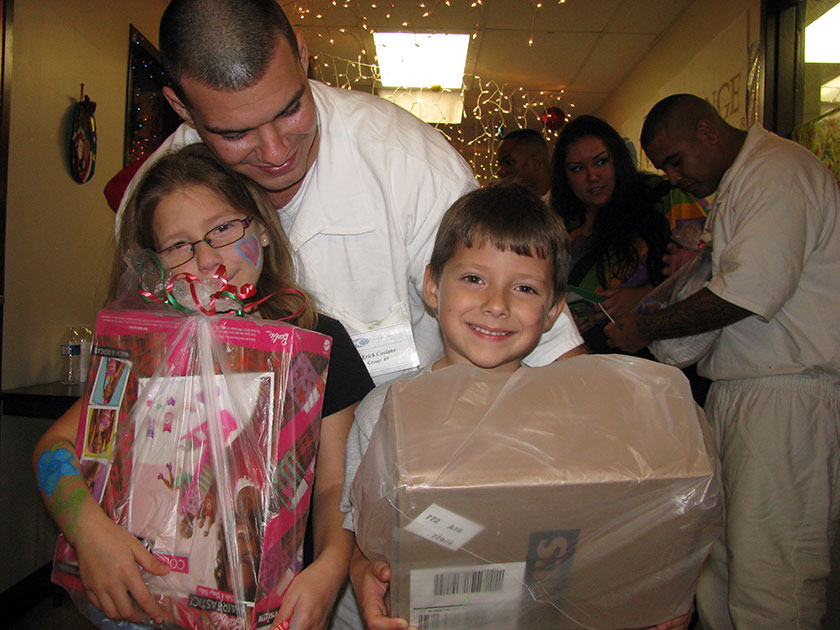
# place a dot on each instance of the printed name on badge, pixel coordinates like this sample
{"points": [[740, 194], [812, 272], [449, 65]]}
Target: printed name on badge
{"points": [[387, 349]]}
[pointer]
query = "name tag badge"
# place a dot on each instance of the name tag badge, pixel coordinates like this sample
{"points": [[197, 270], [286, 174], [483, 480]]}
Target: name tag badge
{"points": [[387, 349]]}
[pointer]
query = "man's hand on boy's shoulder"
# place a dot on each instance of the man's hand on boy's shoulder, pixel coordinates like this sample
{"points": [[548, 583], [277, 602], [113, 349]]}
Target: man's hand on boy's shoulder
{"points": [[371, 579]]}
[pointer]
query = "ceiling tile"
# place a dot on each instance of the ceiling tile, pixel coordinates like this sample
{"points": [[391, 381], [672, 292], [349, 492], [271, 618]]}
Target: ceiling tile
{"points": [[547, 65], [645, 16], [571, 16], [584, 102], [611, 59]]}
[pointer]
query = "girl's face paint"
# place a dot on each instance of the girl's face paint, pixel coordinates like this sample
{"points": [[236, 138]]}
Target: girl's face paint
{"points": [[187, 214], [250, 249], [53, 466]]}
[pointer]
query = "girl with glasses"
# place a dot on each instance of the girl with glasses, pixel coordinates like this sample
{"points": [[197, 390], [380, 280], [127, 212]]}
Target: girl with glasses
{"points": [[197, 215]]}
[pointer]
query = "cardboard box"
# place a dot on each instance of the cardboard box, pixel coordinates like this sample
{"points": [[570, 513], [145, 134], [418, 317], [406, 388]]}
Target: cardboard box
{"points": [[578, 495]]}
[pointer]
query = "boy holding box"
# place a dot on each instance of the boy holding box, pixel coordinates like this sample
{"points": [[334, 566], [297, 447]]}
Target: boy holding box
{"points": [[496, 282]]}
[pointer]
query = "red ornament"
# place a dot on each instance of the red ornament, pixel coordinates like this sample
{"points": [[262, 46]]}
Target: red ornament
{"points": [[553, 118]]}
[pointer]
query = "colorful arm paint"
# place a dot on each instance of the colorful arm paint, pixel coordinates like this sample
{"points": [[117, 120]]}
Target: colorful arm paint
{"points": [[66, 511], [54, 465], [57, 471]]}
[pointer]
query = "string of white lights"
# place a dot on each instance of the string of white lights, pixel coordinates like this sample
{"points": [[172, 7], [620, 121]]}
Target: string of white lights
{"points": [[490, 109]]}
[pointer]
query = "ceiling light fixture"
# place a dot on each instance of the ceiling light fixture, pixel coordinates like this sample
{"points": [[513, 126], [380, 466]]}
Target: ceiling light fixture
{"points": [[421, 60], [830, 91], [431, 106], [821, 38]]}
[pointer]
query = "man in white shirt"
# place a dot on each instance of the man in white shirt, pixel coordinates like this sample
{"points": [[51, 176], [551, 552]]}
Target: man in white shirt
{"points": [[360, 184], [775, 401]]}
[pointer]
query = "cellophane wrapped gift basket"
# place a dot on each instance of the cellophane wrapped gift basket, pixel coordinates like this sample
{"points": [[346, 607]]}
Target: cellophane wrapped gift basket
{"points": [[199, 436]]}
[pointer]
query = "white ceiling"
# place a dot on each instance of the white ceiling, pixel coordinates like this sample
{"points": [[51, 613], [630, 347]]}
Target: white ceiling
{"points": [[585, 47]]}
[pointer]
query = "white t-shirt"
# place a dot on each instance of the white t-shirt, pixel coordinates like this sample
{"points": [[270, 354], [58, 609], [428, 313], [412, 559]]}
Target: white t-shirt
{"points": [[363, 223], [776, 247]]}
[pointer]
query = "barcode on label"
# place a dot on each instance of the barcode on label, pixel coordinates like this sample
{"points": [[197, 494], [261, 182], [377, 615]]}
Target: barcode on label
{"points": [[468, 589], [439, 619], [462, 582]]}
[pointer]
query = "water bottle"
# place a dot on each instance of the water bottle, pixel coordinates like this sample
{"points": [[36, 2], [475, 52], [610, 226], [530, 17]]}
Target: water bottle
{"points": [[85, 341], [71, 351]]}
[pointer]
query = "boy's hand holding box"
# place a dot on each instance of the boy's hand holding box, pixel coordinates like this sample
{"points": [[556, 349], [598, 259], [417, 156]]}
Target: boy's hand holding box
{"points": [[578, 495]]}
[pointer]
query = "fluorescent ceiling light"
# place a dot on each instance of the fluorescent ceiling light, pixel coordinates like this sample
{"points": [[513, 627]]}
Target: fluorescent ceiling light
{"points": [[830, 92], [431, 106], [421, 59], [821, 44]]}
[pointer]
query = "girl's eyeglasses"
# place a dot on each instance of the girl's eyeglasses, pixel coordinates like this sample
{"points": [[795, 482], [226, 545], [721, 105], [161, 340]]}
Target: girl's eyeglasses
{"points": [[225, 234]]}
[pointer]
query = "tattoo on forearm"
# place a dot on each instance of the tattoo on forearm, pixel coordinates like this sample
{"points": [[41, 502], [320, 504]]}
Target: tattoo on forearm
{"points": [[697, 314]]}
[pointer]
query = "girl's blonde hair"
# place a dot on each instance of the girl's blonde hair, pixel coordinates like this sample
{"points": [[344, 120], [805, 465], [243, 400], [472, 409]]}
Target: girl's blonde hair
{"points": [[196, 165]]}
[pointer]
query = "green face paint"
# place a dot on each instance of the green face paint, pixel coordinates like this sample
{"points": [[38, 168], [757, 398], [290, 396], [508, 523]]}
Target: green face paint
{"points": [[53, 466]]}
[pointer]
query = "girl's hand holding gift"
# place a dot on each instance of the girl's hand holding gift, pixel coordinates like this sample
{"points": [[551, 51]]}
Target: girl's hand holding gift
{"points": [[309, 599], [108, 558]]}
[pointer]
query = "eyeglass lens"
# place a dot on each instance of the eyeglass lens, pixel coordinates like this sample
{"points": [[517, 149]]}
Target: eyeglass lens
{"points": [[225, 234]]}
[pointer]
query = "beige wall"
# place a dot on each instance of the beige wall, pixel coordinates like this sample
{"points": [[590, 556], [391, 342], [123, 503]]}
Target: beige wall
{"points": [[705, 52], [59, 234]]}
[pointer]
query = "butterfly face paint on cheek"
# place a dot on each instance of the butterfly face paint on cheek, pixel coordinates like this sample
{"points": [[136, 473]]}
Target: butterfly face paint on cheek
{"points": [[250, 249]]}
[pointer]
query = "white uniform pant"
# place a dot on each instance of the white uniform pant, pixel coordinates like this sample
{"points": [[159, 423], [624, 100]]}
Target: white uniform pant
{"points": [[779, 444]]}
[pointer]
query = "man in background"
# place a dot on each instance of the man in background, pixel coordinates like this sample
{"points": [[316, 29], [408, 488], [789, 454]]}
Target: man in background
{"points": [[774, 403], [524, 156]]}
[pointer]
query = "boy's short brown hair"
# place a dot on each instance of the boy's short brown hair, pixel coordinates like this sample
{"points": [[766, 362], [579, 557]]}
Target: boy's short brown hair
{"points": [[510, 217]]}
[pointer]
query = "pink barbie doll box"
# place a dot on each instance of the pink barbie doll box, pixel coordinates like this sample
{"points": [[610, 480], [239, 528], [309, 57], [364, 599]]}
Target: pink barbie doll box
{"points": [[578, 495], [199, 436]]}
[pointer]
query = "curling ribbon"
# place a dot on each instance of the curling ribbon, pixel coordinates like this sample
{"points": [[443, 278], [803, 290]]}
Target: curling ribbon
{"points": [[237, 294]]}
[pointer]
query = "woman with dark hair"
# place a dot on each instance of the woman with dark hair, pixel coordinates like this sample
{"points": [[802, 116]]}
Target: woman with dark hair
{"points": [[620, 221]]}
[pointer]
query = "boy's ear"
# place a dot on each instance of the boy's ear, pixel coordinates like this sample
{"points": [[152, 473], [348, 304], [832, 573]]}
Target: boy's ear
{"points": [[430, 289], [554, 313], [177, 104]]}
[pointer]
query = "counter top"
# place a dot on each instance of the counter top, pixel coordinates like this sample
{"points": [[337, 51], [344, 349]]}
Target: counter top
{"points": [[45, 400]]}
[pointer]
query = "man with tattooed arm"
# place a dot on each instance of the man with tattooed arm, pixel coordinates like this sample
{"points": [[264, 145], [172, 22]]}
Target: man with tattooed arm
{"points": [[775, 401]]}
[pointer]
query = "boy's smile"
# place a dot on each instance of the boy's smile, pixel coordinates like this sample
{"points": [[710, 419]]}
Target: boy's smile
{"points": [[493, 306]]}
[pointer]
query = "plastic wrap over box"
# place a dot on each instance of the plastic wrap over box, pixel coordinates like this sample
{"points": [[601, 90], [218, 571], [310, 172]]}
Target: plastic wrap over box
{"points": [[582, 494], [199, 436]]}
